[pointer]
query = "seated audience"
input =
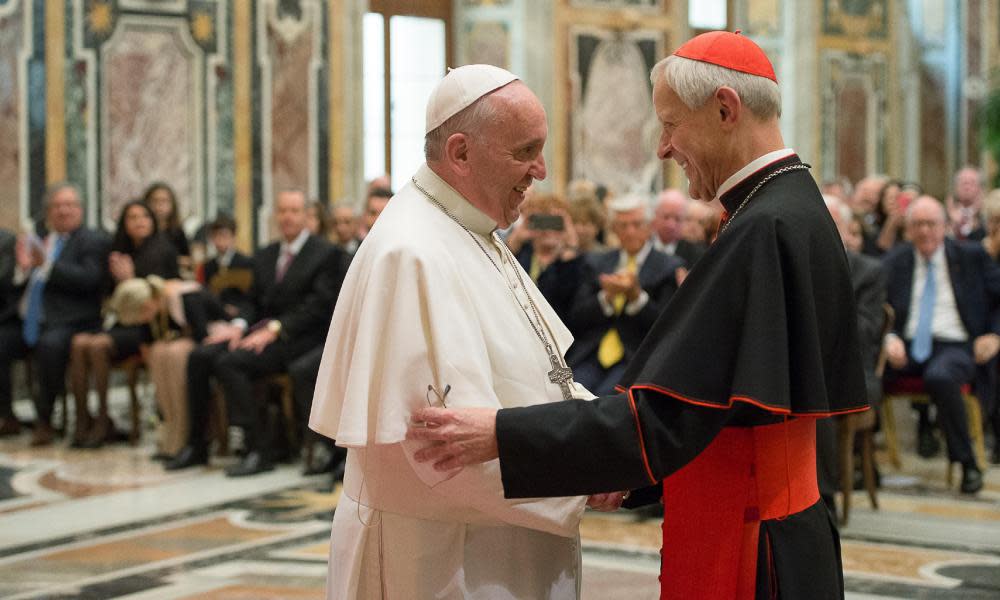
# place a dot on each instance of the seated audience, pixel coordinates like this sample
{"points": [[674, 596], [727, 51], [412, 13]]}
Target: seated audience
{"points": [[991, 243], [890, 213], [295, 284], [965, 204], [855, 235], [945, 295], [318, 220], [59, 283], [839, 187], [160, 198], [864, 202], [868, 281], [668, 224], [229, 274], [137, 250], [375, 203], [700, 223], [621, 294], [588, 219], [345, 228], [548, 252], [228, 277]]}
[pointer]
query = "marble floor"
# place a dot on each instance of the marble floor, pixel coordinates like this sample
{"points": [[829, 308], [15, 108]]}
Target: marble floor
{"points": [[110, 523]]}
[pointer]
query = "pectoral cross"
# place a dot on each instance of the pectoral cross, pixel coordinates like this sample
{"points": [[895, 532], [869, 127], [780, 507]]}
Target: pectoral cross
{"points": [[561, 375]]}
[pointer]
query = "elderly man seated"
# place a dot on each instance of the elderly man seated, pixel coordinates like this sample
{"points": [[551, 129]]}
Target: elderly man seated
{"points": [[945, 295]]}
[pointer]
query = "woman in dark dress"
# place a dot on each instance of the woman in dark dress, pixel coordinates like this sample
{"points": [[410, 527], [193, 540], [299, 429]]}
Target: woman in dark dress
{"points": [[160, 198], [548, 251], [138, 250]]}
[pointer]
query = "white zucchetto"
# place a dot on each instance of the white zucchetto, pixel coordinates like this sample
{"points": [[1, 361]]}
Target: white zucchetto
{"points": [[460, 88]]}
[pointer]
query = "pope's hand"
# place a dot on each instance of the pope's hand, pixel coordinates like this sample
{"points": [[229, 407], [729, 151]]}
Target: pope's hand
{"points": [[460, 436], [606, 502]]}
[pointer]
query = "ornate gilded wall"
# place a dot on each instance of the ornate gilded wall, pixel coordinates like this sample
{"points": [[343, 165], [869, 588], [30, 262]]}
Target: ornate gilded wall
{"points": [[229, 100], [226, 101]]}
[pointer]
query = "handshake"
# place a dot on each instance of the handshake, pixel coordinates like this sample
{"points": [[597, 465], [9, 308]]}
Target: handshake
{"points": [[467, 436]]}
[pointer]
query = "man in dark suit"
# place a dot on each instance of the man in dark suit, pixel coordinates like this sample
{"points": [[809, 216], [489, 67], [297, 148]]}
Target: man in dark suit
{"points": [[868, 281], [668, 225], [58, 282], [229, 274], [622, 293], [295, 285], [945, 294]]}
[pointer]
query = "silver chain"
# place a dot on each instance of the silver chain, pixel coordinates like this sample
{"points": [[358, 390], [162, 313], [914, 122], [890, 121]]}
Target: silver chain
{"points": [[510, 257], [798, 167]]}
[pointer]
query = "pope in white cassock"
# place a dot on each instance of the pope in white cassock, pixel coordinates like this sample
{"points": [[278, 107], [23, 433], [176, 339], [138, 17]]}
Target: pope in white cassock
{"points": [[435, 310]]}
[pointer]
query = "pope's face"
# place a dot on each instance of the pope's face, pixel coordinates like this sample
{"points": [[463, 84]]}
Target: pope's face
{"points": [[689, 138], [505, 157]]}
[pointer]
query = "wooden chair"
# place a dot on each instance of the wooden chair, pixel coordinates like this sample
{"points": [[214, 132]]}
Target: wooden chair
{"points": [[912, 388], [862, 424]]}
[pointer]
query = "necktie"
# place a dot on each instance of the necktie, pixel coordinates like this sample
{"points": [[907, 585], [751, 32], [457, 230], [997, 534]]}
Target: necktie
{"points": [[923, 338], [283, 264], [31, 327], [612, 351]]}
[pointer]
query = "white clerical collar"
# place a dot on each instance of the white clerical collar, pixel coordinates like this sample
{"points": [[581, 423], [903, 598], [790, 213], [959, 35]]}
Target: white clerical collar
{"points": [[463, 211], [296, 244], [755, 165]]}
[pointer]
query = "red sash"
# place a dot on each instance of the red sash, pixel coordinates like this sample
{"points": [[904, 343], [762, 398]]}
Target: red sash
{"points": [[712, 508]]}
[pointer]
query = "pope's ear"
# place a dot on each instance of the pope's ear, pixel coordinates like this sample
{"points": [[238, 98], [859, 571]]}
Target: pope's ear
{"points": [[729, 104], [456, 152]]}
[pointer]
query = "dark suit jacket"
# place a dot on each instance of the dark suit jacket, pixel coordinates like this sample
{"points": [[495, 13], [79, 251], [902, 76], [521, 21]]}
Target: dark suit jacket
{"points": [[303, 301], [232, 286], [76, 284], [8, 293], [975, 280], [558, 282], [589, 323], [868, 280]]}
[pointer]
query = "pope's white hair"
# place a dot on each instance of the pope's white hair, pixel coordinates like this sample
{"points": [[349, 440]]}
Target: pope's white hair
{"points": [[470, 121], [695, 81]]}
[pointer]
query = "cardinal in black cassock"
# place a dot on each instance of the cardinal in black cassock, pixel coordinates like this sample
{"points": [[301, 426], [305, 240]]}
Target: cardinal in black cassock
{"points": [[717, 413]]}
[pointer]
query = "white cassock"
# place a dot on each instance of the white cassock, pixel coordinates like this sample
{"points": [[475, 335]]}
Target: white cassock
{"points": [[423, 305]]}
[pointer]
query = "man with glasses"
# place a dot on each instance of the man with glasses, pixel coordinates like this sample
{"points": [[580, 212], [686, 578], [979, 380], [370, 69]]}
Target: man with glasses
{"points": [[945, 294]]}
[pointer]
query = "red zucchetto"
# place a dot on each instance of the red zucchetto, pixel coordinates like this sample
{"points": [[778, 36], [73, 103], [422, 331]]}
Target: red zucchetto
{"points": [[729, 50]]}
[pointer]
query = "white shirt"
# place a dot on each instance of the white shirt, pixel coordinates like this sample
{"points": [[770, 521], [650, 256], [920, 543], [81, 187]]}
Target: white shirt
{"points": [[295, 246], [423, 304], [752, 167], [947, 322]]}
